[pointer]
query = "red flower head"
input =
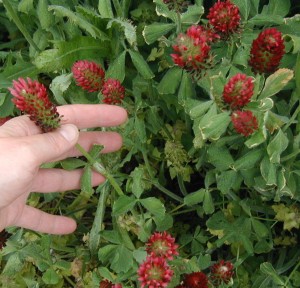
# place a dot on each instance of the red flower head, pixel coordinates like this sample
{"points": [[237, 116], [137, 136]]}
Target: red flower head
{"points": [[244, 122], [88, 75], [224, 16], [238, 91], [195, 280], [267, 51], [31, 97], [162, 244], [202, 33], [105, 284], [222, 272], [192, 49], [3, 120], [154, 272], [113, 92]]}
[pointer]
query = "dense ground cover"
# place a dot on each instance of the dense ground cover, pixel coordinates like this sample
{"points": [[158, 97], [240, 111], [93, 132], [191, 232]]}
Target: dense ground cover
{"points": [[204, 192]]}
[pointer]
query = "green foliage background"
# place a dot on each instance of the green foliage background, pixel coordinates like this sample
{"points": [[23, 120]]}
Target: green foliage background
{"points": [[182, 167]]}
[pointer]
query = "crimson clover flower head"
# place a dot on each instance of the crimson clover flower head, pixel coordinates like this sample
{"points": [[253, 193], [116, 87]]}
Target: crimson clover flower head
{"points": [[238, 90], [225, 17], [195, 280], [222, 272], [31, 98], [154, 272], [162, 245], [244, 122], [88, 75], [113, 92], [267, 51], [202, 33], [191, 51]]}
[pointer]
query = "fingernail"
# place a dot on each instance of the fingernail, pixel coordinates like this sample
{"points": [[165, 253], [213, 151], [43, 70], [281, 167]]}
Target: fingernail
{"points": [[69, 132]]}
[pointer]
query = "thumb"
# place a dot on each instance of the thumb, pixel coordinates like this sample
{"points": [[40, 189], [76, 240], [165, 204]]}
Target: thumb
{"points": [[48, 147]]}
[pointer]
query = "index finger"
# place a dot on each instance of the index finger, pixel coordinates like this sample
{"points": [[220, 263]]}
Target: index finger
{"points": [[92, 115]]}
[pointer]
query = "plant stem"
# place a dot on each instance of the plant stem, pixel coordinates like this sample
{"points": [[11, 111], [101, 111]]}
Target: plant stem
{"points": [[11, 11], [292, 119], [100, 169], [167, 192]]}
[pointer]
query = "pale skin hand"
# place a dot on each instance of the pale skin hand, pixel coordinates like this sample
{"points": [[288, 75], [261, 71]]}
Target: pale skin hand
{"points": [[23, 149]]}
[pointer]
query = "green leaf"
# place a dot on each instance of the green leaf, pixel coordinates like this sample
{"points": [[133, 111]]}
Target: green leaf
{"points": [[194, 198], [276, 82], [276, 7], [192, 15], [86, 180], [249, 160], [164, 223], [170, 81], [220, 157], [212, 128], [200, 109], [65, 53], [123, 204], [129, 29], [226, 180], [208, 204], [141, 65], [204, 261], [154, 206], [278, 144], [186, 89], [137, 186], [45, 17], [50, 277], [105, 9], [259, 228], [122, 260], [25, 6], [116, 69], [244, 7], [59, 85], [154, 31], [78, 20], [256, 139], [261, 19], [139, 126], [269, 270]]}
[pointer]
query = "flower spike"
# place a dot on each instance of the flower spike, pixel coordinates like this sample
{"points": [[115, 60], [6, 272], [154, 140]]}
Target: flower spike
{"points": [[31, 98]]}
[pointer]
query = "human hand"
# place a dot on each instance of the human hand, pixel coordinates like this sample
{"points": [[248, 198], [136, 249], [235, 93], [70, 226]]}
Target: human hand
{"points": [[23, 148]]}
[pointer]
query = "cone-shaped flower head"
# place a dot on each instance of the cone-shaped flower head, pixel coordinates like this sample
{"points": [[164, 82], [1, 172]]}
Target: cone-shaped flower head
{"points": [[195, 280], [162, 244], [225, 17], [267, 51], [31, 98], [238, 91], [222, 272], [113, 92], [88, 75], [154, 272], [244, 122], [192, 50]]}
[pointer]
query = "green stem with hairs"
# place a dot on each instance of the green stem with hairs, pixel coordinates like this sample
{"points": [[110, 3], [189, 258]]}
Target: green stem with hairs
{"points": [[11, 11], [100, 169]]}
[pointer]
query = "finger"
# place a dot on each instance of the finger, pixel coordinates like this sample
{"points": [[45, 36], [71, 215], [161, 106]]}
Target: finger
{"points": [[57, 180], [81, 115], [37, 220], [111, 142], [93, 115], [43, 148]]}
